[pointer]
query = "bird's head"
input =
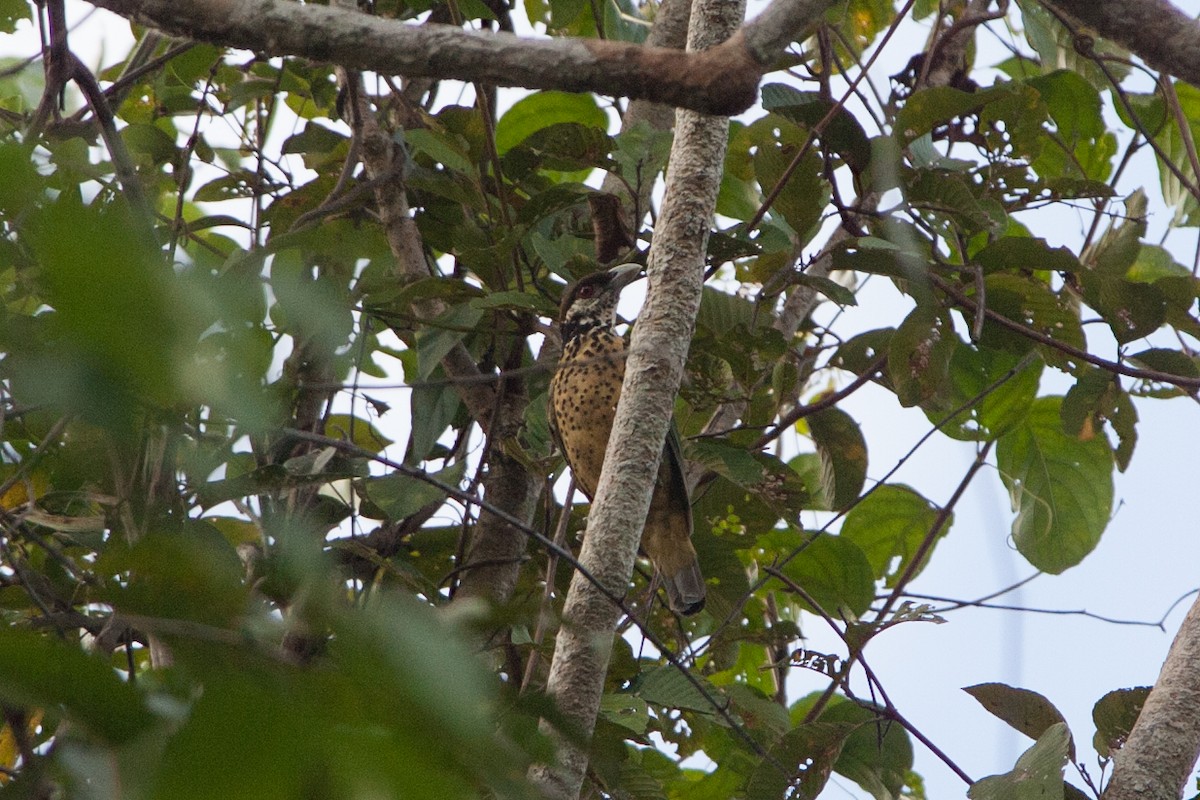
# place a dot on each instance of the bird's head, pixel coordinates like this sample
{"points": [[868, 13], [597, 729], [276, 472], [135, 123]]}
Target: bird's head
{"points": [[591, 302]]}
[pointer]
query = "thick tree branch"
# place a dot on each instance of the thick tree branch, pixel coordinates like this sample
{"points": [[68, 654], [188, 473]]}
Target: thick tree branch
{"points": [[1157, 31], [721, 80], [653, 371], [1163, 746]]}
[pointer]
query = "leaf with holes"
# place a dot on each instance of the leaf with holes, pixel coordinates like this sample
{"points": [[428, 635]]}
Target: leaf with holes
{"points": [[1115, 715], [1038, 773], [889, 526], [800, 764]]}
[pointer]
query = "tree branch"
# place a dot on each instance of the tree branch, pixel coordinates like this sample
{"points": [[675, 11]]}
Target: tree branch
{"points": [[720, 80], [1158, 32], [1164, 744], [652, 375]]}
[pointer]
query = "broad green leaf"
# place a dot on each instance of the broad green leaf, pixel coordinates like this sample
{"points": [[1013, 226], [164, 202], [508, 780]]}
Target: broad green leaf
{"points": [[543, 109], [626, 710], [400, 495], [1074, 106], [882, 257], [308, 306], [948, 196], [860, 352], [929, 108], [1056, 47], [877, 754], [1021, 253], [889, 526], [1172, 362], [807, 753], [191, 574], [12, 12], [443, 147], [1094, 400], [118, 324], [842, 132], [1132, 310], [442, 335], [996, 385], [356, 430], [800, 192], [1037, 775], [1177, 149], [39, 672], [1120, 245], [919, 355], [1060, 487], [843, 453], [668, 687], [1114, 715], [1025, 710], [1031, 303], [835, 573]]}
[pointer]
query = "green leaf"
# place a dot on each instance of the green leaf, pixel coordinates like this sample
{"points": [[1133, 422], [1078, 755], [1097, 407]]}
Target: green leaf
{"points": [[444, 147], [929, 108], [1097, 398], [1162, 359], [843, 453], [1037, 775], [800, 191], [45, 673], [1060, 487], [543, 109], [1025, 710], [1022, 253], [1114, 715], [881, 257], [809, 752], [889, 525], [356, 430], [843, 133], [666, 686], [877, 755], [1030, 302], [627, 710], [191, 574], [919, 355], [444, 332], [1120, 245], [999, 386], [946, 195], [12, 12], [835, 573], [401, 496], [1074, 106]]}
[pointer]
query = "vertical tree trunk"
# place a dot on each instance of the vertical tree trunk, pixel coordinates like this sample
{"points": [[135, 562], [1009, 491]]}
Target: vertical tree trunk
{"points": [[660, 343], [1163, 746]]}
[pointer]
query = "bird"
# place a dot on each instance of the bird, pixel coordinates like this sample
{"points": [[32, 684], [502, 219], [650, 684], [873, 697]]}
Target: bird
{"points": [[582, 404]]}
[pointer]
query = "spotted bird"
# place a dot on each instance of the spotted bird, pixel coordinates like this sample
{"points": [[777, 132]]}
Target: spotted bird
{"points": [[583, 403]]}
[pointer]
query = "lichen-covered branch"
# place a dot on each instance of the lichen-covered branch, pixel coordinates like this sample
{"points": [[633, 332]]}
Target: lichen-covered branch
{"points": [[1156, 30], [652, 375], [1163, 746], [720, 80]]}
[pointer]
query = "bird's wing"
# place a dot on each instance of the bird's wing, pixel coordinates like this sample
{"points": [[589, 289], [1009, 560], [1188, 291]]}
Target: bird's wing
{"points": [[673, 453]]}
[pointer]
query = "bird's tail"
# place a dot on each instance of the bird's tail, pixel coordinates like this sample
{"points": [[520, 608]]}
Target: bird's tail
{"points": [[685, 587]]}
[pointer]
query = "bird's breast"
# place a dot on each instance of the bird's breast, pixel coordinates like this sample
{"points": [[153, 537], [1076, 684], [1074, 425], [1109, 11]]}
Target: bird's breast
{"points": [[583, 399]]}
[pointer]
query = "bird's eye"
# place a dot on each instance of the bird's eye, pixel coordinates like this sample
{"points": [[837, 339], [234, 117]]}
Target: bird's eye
{"points": [[586, 291]]}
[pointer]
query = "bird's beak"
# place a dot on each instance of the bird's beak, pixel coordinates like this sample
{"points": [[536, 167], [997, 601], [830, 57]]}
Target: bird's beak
{"points": [[623, 275]]}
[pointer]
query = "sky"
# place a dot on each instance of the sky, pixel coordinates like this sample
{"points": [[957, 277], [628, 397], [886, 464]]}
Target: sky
{"points": [[1146, 562]]}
